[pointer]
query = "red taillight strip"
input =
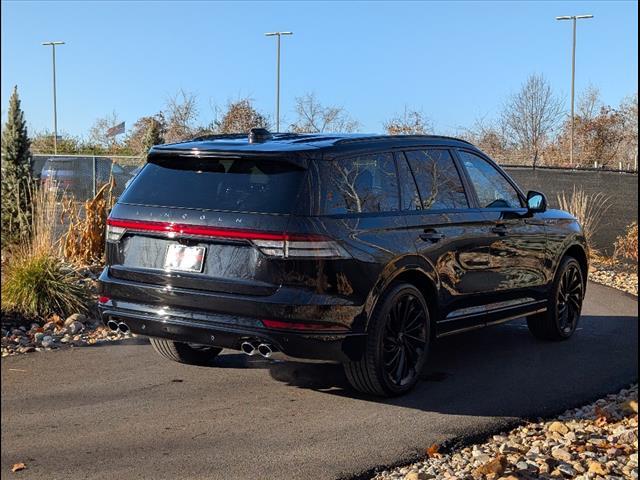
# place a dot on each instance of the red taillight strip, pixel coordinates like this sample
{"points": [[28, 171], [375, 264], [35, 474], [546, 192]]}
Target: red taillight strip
{"points": [[205, 231], [276, 324]]}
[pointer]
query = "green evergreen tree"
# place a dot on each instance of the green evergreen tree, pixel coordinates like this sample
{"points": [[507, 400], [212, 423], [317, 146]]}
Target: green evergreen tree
{"points": [[16, 182], [153, 136]]}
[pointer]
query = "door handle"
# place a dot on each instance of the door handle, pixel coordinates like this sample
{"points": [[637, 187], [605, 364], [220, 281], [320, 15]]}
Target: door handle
{"points": [[500, 229], [431, 235]]}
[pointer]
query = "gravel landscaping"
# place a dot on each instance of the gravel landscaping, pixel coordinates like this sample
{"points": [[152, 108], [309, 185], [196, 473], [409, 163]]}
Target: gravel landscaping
{"points": [[598, 441], [620, 275], [76, 330]]}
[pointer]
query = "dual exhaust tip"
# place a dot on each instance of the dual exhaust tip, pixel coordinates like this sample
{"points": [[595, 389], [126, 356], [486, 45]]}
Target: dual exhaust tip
{"points": [[118, 326], [248, 348], [263, 349]]}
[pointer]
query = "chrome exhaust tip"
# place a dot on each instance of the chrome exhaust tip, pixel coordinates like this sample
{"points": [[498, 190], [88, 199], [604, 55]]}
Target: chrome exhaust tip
{"points": [[123, 327], [248, 348], [113, 325], [265, 350]]}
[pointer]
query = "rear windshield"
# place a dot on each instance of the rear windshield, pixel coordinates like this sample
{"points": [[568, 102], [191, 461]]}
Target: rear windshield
{"points": [[238, 185]]}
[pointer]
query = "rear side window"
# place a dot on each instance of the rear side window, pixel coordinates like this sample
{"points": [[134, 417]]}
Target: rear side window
{"points": [[438, 180], [239, 185], [362, 184]]}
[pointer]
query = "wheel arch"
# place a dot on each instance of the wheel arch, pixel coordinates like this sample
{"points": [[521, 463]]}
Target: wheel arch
{"points": [[423, 277], [578, 252]]}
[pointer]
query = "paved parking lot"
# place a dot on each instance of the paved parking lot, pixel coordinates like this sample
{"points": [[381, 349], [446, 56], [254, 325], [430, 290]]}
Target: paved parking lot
{"points": [[120, 411]]}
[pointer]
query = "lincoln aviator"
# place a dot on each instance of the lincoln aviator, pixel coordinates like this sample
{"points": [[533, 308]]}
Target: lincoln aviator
{"points": [[359, 249]]}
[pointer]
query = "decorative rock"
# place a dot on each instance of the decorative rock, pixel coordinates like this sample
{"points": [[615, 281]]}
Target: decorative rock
{"points": [[75, 327], [49, 326], [76, 317], [416, 476], [567, 470], [558, 427], [561, 454]]}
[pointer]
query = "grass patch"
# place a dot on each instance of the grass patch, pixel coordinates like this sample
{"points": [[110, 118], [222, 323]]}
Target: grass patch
{"points": [[36, 281], [37, 284]]}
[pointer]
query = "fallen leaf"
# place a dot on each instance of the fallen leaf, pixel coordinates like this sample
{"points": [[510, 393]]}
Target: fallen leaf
{"points": [[432, 451], [16, 467], [494, 467], [602, 416]]}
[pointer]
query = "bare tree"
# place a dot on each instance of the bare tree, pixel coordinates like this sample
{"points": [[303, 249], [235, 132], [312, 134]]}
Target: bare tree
{"points": [[532, 115], [180, 113], [410, 122], [239, 117], [312, 117], [489, 136], [589, 103], [99, 132], [629, 115], [137, 140]]}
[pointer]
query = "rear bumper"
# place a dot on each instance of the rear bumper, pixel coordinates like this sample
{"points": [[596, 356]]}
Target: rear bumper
{"points": [[224, 330]]}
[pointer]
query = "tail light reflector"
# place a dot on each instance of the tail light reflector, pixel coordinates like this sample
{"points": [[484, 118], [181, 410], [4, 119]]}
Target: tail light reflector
{"points": [[278, 325]]}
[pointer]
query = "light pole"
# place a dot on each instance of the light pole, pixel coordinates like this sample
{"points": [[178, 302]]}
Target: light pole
{"points": [[55, 112], [278, 35], [573, 73]]}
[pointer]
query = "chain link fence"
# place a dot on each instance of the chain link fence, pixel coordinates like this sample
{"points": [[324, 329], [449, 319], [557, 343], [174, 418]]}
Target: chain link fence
{"points": [[80, 176]]}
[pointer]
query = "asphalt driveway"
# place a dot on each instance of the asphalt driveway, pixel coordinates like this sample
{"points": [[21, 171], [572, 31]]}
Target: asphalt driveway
{"points": [[120, 411]]}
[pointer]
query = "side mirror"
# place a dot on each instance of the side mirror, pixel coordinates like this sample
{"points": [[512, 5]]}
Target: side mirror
{"points": [[536, 202]]}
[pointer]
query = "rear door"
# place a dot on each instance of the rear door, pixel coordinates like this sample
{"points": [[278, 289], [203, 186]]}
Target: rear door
{"points": [[210, 224], [448, 234], [518, 246]]}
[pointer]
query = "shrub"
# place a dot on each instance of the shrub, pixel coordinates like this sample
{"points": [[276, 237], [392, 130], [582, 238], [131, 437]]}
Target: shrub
{"points": [[37, 284], [588, 209], [626, 245]]}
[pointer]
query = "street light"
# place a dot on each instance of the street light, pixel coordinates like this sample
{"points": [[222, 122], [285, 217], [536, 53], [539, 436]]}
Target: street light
{"points": [[573, 72], [278, 35], [55, 113]]}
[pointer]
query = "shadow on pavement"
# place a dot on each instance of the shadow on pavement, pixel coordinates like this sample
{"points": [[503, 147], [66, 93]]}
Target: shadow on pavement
{"points": [[498, 371]]}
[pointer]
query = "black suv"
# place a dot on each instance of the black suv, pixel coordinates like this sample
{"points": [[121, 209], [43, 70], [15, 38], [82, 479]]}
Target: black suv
{"points": [[355, 248]]}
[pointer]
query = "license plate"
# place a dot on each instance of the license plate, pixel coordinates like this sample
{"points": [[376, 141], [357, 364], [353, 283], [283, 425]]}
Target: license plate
{"points": [[184, 259]]}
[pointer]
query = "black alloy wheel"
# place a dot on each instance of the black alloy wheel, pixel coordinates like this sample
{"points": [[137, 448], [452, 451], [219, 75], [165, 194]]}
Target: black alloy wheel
{"points": [[569, 300], [404, 341], [560, 320], [397, 344]]}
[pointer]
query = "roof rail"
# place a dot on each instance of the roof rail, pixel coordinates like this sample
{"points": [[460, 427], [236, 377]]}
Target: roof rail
{"points": [[400, 137]]}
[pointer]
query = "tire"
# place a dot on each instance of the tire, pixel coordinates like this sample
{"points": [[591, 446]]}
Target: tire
{"points": [[379, 371], [184, 352], [564, 305]]}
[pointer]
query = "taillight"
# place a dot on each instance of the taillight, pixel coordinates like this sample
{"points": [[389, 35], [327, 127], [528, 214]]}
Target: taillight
{"points": [[114, 234], [301, 248], [102, 299], [282, 245]]}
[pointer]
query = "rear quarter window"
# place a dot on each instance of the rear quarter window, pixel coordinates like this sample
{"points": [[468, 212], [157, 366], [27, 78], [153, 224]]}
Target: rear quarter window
{"points": [[363, 184]]}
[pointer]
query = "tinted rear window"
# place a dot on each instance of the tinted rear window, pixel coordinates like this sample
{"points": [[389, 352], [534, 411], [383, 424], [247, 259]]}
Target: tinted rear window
{"points": [[239, 185]]}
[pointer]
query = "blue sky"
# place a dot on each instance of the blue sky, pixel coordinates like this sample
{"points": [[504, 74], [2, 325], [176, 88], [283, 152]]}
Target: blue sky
{"points": [[455, 61]]}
